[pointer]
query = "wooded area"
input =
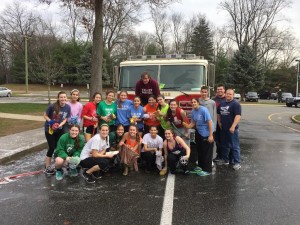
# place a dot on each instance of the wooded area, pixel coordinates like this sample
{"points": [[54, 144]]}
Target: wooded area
{"points": [[92, 37]]}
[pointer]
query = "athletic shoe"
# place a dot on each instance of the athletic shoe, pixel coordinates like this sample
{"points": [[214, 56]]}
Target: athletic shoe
{"points": [[73, 172], [203, 173], [236, 166], [88, 177], [217, 159], [222, 162], [59, 174], [97, 175], [49, 170], [196, 170]]}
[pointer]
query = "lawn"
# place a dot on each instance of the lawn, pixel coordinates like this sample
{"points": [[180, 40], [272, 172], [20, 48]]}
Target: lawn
{"points": [[297, 117], [12, 126], [21, 88], [23, 108]]}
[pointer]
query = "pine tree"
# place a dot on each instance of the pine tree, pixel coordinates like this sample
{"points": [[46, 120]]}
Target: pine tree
{"points": [[201, 40], [245, 71]]}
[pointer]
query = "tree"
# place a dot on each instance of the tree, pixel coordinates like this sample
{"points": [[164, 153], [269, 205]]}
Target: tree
{"points": [[245, 71], [201, 39], [188, 29], [177, 24], [251, 20], [162, 26], [97, 52]]}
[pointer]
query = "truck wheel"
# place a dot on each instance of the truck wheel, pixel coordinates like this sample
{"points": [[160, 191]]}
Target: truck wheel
{"points": [[297, 104]]}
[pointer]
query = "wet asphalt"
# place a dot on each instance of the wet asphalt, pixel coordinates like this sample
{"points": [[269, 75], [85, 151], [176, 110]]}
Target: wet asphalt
{"points": [[264, 191]]}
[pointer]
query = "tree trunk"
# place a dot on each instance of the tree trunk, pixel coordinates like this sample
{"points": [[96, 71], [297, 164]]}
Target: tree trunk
{"points": [[97, 52]]}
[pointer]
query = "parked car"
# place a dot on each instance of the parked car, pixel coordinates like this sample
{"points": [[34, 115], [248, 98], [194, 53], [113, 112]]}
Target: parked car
{"points": [[5, 92], [265, 95], [274, 96], [284, 96], [237, 96], [251, 96], [293, 101]]}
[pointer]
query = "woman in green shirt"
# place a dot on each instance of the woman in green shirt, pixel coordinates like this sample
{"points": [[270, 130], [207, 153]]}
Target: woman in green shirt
{"points": [[68, 149], [107, 110], [160, 114]]}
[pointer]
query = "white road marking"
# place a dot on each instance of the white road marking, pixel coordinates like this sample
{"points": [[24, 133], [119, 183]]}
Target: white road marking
{"points": [[167, 210]]}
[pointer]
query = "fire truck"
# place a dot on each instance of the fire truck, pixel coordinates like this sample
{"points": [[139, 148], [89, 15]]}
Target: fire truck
{"points": [[180, 76]]}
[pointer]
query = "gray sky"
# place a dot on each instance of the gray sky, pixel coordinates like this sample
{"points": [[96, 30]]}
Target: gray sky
{"points": [[189, 7]]}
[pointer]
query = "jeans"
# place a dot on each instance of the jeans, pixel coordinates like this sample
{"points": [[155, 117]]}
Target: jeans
{"points": [[230, 146]]}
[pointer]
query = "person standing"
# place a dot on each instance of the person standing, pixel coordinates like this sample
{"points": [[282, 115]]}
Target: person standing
{"points": [[89, 115], [201, 119], [107, 110], [56, 117], [145, 87], [229, 115], [210, 104], [135, 115], [76, 108], [160, 114], [149, 116], [220, 97], [123, 105]]}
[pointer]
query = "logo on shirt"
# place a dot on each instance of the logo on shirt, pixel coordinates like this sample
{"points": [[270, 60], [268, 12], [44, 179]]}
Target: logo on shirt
{"points": [[147, 91], [224, 110]]}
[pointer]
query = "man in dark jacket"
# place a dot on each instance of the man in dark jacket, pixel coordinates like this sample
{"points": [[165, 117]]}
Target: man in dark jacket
{"points": [[145, 87]]}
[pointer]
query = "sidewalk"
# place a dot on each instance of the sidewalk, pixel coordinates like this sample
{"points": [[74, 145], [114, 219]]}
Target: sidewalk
{"points": [[19, 144]]}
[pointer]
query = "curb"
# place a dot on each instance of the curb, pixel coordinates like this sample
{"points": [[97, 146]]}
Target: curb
{"points": [[294, 120], [23, 152]]}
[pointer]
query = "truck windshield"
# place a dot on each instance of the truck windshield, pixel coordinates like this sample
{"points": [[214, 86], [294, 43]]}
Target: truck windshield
{"points": [[131, 74], [181, 77]]}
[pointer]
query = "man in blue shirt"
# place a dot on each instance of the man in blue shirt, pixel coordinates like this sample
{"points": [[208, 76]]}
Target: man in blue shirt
{"points": [[229, 115]]}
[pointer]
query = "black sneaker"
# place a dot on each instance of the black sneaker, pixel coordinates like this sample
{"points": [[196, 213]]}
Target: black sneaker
{"points": [[49, 170], [88, 177], [97, 175]]}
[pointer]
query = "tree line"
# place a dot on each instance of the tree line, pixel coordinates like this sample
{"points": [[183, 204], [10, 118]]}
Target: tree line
{"points": [[251, 51]]}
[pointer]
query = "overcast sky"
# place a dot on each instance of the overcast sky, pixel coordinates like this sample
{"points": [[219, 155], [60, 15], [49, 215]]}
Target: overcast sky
{"points": [[189, 7]]}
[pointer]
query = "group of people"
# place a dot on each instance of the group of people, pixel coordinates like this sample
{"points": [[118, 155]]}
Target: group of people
{"points": [[154, 134]]}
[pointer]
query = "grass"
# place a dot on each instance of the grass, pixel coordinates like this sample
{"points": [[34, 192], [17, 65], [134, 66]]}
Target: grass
{"points": [[297, 117], [23, 108], [12, 126], [21, 88]]}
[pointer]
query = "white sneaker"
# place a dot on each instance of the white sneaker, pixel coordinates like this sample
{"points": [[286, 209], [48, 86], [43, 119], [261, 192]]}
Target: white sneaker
{"points": [[236, 166]]}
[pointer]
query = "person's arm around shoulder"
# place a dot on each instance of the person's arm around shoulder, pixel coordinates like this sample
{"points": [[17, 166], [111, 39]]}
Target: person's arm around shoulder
{"points": [[185, 146]]}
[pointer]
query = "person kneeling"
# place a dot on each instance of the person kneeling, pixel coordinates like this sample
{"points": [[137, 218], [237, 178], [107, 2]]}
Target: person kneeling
{"points": [[68, 150], [93, 156]]}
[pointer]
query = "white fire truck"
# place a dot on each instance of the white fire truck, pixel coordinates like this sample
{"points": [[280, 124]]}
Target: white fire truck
{"points": [[180, 77]]}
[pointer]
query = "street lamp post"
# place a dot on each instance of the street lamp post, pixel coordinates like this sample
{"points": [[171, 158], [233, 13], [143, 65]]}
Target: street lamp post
{"points": [[298, 75], [26, 64]]}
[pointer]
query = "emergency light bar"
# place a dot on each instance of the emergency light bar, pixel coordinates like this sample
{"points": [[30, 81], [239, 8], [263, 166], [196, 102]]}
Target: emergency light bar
{"points": [[168, 56]]}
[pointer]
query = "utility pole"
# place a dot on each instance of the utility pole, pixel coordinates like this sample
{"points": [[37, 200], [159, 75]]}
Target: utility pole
{"points": [[26, 63], [298, 76]]}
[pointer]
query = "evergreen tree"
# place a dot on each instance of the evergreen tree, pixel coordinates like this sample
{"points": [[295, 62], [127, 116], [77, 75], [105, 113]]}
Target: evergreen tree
{"points": [[245, 70], [201, 40]]}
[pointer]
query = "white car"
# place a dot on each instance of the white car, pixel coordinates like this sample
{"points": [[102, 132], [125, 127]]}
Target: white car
{"points": [[237, 96], [5, 92]]}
